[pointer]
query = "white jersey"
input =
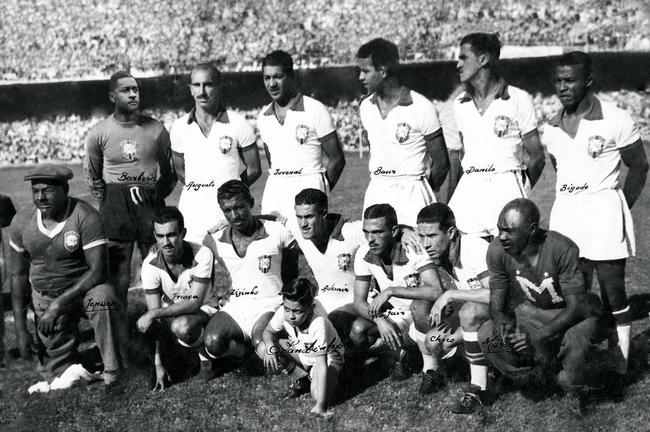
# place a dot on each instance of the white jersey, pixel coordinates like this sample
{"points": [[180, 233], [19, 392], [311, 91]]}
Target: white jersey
{"points": [[471, 267], [209, 162], [404, 271], [333, 269], [295, 146], [156, 278], [590, 162], [255, 276], [397, 142], [492, 140]]}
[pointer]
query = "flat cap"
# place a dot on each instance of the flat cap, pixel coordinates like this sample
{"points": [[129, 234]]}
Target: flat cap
{"points": [[50, 172]]}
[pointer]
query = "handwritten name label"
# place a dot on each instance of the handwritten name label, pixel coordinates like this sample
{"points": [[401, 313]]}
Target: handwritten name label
{"points": [[239, 293], [473, 169], [177, 296], [287, 172], [125, 177], [495, 344], [438, 338], [391, 312], [381, 171], [334, 288], [93, 305], [573, 188], [293, 348], [197, 186]]}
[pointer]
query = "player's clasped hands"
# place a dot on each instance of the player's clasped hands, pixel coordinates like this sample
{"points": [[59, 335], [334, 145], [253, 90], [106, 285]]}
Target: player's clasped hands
{"points": [[144, 322], [271, 363], [438, 310], [377, 305], [389, 333]]}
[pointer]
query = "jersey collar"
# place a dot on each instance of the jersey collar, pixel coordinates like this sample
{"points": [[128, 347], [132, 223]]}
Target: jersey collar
{"points": [[298, 104], [259, 234], [405, 98], [502, 92], [222, 116], [397, 255], [187, 260], [594, 112]]}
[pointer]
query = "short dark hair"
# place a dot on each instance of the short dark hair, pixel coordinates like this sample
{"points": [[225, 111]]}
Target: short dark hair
{"points": [[386, 211], [381, 52], [281, 59], [526, 207], [311, 196], [574, 58], [112, 83], [484, 43], [437, 213], [232, 188], [170, 214], [300, 290], [215, 73]]}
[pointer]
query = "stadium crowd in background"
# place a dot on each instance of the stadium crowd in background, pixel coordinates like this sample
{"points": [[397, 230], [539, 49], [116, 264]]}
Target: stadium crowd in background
{"points": [[62, 137], [63, 39]]}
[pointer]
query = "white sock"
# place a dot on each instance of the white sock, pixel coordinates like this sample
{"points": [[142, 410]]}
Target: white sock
{"points": [[428, 362], [478, 375], [624, 338]]}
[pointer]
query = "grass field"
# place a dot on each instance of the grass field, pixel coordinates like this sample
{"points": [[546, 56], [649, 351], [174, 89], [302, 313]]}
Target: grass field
{"points": [[238, 401]]}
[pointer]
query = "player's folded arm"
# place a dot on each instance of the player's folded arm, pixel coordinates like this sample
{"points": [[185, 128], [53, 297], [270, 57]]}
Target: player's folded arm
{"points": [[635, 158], [536, 157], [439, 158], [168, 176], [335, 157]]}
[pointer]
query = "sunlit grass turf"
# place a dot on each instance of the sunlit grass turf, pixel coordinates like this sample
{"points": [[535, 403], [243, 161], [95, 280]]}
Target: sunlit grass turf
{"points": [[238, 401]]}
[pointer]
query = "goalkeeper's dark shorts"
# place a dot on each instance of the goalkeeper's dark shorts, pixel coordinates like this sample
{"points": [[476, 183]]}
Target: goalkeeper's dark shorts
{"points": [[574, 358], [127, 212]]}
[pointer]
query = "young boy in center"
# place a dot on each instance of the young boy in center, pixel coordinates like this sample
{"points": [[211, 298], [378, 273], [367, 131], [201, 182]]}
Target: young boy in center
{"points": [[313, 351]]}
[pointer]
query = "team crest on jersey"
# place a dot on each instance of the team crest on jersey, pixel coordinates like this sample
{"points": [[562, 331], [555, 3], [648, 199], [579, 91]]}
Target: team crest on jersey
{"points": [[71, 241], [129, 149], [402, 132], [264, 263], [302, 133], [412, 280], [503, 126], [474, 283], [225, 144], [595, 145], [345, 259]]}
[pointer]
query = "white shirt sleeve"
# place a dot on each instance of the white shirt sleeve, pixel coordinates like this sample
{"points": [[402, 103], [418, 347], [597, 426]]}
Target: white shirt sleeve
{"points": [[175, 135], [473, 253], [429, 118], [151, 282], [322, 120], [361, 267], [286, 238], [526, 113], [246, 134], [277, 321], [203, 268], [628, 133], [354, 232]]}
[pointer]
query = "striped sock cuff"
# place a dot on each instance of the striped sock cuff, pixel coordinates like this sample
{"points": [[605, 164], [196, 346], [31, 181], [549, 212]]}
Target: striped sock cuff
{"points": [[623, 316], [473, 349]]}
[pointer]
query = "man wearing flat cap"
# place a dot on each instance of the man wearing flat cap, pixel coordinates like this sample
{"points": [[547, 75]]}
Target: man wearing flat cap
{"points": [[58, 247]]}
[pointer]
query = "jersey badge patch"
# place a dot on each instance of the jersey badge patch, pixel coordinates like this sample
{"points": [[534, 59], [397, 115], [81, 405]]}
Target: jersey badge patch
{"points": [[402, 132], [595, 145], [412, 280], [264, 263], [474, 283], [344, 259], [129, 149], [71, 241], [302, 133], [225, 144]]}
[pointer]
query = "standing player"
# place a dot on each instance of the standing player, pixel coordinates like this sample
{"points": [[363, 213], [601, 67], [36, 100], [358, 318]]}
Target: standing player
{"points": [[498, 128], [542, 319], [59, 249], [7, 213], [296, 131], [210, 145], [176, 279], [385, 318], [587, 141], [405, 136], [253, 255], [128, 164], [462, 257]]}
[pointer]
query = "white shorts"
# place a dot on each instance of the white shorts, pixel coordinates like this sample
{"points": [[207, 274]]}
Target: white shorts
{"points": [[480, 197], [280, 191], [201, 212], [247, 313], [334, 358], [599, 223], [407, 195]]}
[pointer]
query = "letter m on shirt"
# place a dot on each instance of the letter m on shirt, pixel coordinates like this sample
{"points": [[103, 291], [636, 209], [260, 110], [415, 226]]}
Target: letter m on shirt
{"points": [[547, 285]]}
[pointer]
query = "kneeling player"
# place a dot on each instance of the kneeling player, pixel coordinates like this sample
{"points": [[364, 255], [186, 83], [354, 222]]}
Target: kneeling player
{"points": [[176, 282], [255, 256], [462, 258], [313, 350], [400, 279], [542, 319]]}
